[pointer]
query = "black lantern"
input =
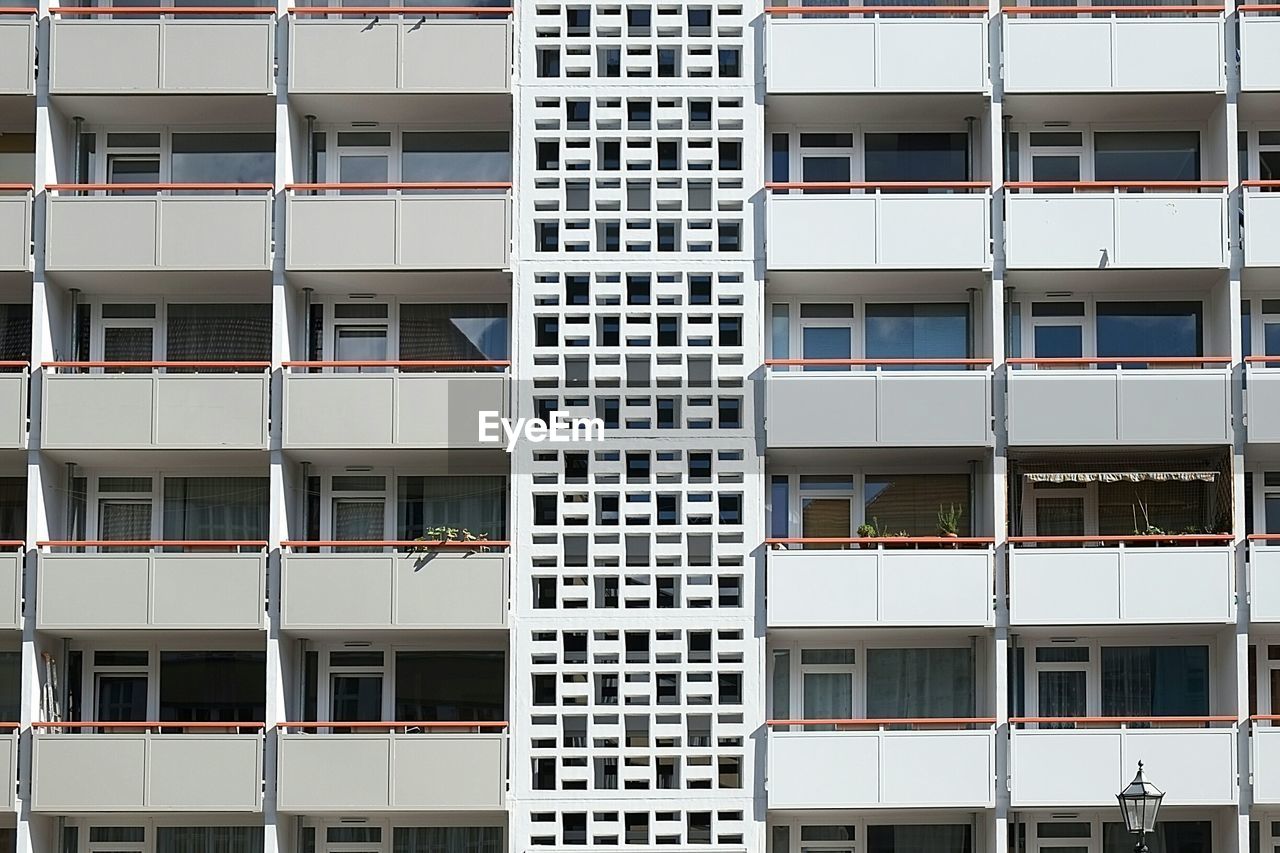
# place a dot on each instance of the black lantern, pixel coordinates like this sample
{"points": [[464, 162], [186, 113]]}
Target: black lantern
{"points": [[1138, 804]]}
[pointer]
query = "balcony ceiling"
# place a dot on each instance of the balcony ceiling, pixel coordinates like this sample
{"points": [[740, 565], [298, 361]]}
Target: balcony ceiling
{"points": [[17, 113], [818, 459], [487, 284], [463, 111], [1167, 109], [870, 109], [825, 283], [224, 111], [1121, 281]]}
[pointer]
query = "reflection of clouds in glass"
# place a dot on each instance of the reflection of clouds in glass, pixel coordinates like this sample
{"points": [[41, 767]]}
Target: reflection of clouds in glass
{"points": [[487, 334], [237, 168]]}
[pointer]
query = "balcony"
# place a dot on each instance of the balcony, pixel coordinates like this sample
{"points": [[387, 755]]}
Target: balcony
{"points": [[1174, 404], [1262, 212], [18, 51], [13, 405], [141, 767], [1104, 49], [144, 585], [154, 409], [428, 766], [454, 586], [15, 217], [854, 767], [878, 582], [12, 556], [9, 760], [456, 226], [868, 53], [879, 407], [899, 225], [201, 53], [1264, 578], [160, 232], [1104, 225], [1193, 757], [390, 410], [1112, 580], [1259, 48], [400, 50]]}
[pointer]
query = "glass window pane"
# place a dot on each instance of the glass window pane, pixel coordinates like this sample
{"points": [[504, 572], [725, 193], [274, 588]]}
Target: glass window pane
{"points": [[916, 157], [828, 695], [1154, 681], [245, 158], [929, 838], [920, 683], [476, 504], [213, 686], [463, 331], [1170, 836], [450, 685], [922, 330], [447, 839], [218, 332], [357, 698], [456, 156], [216, 508], [1059, 341], [1147, 155], [1149, 328], [912, 502]]}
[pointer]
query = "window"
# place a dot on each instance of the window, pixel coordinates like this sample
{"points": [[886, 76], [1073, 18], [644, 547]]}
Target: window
{"points": [[1149, 329], [210, 508], [473, 503], [1155, 681], [218, 332], [1148, 155], [224, 839], [213, 686], [450, 685], [936, 838], [447, 839], [911, 502], [223, 158], [919, 330], [916, 157], [826, 506], [455, 156], [920, 683], [453, 331], [1169, 836]]}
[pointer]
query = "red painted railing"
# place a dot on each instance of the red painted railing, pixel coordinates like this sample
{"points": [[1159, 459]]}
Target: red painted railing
{"points": [[398, 364], [420, 185], [160, 188], [920, 722], [1141, 538], [889, 186], [403, 544], [401, 10], [391, 725], [875, 362], [966, 541], [1085, 186], [1112, 722]]}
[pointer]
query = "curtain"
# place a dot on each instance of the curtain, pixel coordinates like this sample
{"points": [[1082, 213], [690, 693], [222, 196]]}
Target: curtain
{"points": [[828, 695], [208, 839], [124, 519], [1170, 836], [780, 708], [215, 507], [446, 839], [911, 502], [1155, 681], [477, 504], [15, 332], [926, 838], [469, 331], [920, 683], [219, 332]]}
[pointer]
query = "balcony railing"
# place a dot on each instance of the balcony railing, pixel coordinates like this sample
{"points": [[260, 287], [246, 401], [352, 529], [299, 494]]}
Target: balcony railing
{"points": [[1083, 761], [914, 580], [1073, 401], [878, 225], [811, 769], [395, 584], [392, 404], [400, 49], [210, 226], [17, 53], [12, 556], [15, 379], [1262, 208], [178, 405], [1259, 47], [217, 50], [878, 406], [108, 584], [1264, 757], [392, 766], [1114, 580], [411, 226], [1083, 49], [1264, 577], [15, 217], [147, 766], [1116, 224], [865, 49], [9, 764]]}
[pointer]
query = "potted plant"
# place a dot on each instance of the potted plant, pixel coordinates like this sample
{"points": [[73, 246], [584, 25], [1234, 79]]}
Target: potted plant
{"points": [[901, 534], [443, 534], [949, 521], [868, 530]]}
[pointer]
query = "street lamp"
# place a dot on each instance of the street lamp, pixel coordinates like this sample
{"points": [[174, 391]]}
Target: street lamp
{"points": [[1139, 803]]}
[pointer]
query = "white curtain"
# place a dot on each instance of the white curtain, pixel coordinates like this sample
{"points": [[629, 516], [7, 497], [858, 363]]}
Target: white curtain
{"points": [[215, 507], [925, 838], [208, 839], [447, 839], [920, 683]]}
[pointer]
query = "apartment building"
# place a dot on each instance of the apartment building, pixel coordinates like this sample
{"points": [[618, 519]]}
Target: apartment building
{"points": [[937, 350]]}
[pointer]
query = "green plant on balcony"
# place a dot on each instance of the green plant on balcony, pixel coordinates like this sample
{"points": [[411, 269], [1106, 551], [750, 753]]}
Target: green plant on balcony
{"points": [[949, 521], [442, 536]]}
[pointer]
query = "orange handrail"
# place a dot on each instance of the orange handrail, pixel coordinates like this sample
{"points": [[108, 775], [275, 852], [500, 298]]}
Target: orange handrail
{"points": [[890, 721], [4, 364], [420, 185], [1257, 183], [854, 540], [400, 10], [1221, 718], [10, 725], [1263, 537], [20, 10], [151, 543], [1263, 717], [395, 724], [1258, 7], [874, 361], [148, 724], [162, 10], [1128, 359], [1261, 359], [394, 543], [157, 187], [459, 363], [1102, 185], [258, 365], [877, 185], [1096, 10], [1137, 537], [12, 543], [17, 188]]}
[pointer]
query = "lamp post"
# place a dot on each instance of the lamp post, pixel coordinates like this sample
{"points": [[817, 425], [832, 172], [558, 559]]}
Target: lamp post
{"points": [[1139, 803]]}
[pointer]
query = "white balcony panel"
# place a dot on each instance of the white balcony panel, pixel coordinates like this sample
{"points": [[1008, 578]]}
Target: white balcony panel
{"points": [[423, 590], [1264, 582], [159, 232], [1094, 230], [391, 772], [9, 764], [440, 231], [1050, 55], [1262, 216], [116, 591], [1264, 754], [13, 410], [872, 769], [1085, 767], [1121, 585], [878, 408], [879, 586], [11, 563], [17, 57], [823, 56], [409, 55], [162, 56], [143, 772], [15, 220], [1259, 53], [155, 411], [1104, 407], [873, 231]]}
